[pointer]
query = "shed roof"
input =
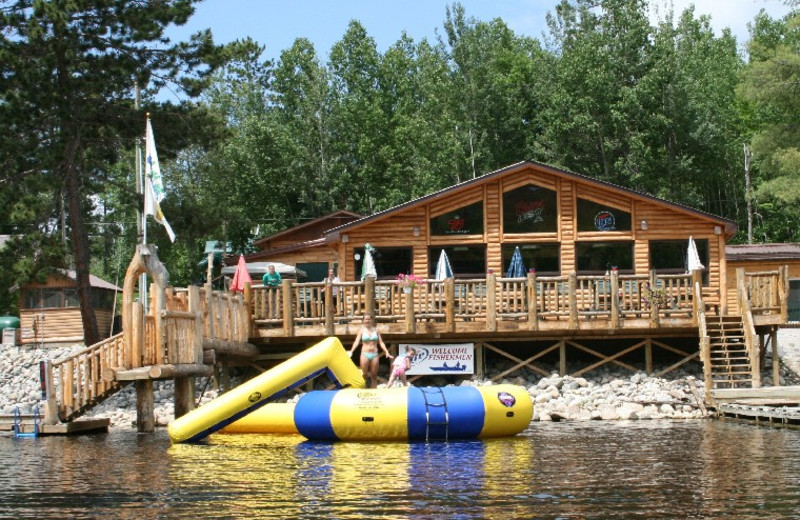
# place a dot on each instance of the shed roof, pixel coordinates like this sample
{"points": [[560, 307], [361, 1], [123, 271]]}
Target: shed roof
{"points": [[782, 251]]}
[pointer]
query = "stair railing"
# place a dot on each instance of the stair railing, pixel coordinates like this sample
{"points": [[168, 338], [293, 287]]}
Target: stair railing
{"points": [[699, 315], [748, 324]]}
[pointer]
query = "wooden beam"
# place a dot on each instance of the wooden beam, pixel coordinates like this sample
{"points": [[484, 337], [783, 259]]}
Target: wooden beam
{"points": [[230, 348], [145, 406], [183, 370], [605, 359]]}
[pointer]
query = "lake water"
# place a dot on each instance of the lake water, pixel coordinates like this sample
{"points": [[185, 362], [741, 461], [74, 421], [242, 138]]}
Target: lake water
{"points": [[633, 470]]}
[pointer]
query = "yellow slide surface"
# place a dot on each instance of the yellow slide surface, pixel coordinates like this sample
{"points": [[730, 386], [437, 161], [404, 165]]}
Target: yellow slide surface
{"points": [[326, 356]]}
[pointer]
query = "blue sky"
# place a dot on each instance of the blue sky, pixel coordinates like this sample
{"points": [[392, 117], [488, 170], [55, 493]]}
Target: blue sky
{"points": [[277, 23]]}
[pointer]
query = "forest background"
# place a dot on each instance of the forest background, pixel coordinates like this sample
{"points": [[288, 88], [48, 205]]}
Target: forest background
{"points": [[259, 145]]}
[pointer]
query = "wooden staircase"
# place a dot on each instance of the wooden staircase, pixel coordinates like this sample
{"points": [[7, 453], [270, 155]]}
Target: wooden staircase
{"points": [[729, 352]]}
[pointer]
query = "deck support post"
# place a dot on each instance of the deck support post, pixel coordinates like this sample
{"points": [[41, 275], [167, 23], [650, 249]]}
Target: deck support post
{"points": [[411, 319], [450, 304], [329, 308], [369, 297], [776, 360], [288, 315], [614, 297], [479, 372], [654, 321], [572, 284], [562, 358], [491, 302], [533, 300], [184, 396], [648, 356], [145, 407]]}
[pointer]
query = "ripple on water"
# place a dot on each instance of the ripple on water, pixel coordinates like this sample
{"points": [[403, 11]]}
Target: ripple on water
{"points": [[646, 469]]}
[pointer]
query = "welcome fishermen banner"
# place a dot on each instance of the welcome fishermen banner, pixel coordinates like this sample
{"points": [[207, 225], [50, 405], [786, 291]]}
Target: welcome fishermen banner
{"points": [[456, 358]]}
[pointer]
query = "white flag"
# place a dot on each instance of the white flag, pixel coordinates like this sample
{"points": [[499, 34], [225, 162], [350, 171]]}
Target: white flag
{"points": [[151, 207], [151, 168]]}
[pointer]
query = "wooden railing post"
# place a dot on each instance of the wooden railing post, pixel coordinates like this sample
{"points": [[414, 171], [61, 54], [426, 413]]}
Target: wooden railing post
{"points": [[369, 297], [572, 285], [533, 299], [491, 302], [288, 308], [783, 292], [197, 332], [138, 334], [614, 297], [411, 319], [330, 310], [248, 311], [654, 318], [50, 404], [450, 304], [697, 282]]}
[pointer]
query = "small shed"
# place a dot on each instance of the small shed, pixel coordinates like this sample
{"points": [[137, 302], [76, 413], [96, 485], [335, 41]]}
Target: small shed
{"points": [[766, 257], [50, 311]]}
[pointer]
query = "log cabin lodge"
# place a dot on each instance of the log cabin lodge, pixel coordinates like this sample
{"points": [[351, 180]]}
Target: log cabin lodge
{"points": [[603, 263], [607, 284]]}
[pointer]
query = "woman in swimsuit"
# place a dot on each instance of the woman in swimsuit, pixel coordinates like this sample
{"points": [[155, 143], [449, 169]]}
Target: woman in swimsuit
{"points": [[370, 338]]}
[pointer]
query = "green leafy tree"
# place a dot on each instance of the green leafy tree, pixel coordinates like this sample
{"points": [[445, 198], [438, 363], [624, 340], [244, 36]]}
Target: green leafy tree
{"points": [[771, 91], [67, 72]]}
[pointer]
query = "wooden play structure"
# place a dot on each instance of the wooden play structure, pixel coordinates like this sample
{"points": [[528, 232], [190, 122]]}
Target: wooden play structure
{"points": [[180, 337]]}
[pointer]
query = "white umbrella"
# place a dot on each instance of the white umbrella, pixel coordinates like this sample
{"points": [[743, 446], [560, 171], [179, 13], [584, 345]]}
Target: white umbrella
{"points": [[443, 269], [368, 266], [693, 258]]}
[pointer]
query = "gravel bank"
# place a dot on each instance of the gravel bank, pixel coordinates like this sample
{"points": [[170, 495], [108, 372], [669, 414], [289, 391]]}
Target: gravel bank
{"points": [[604, 394]]}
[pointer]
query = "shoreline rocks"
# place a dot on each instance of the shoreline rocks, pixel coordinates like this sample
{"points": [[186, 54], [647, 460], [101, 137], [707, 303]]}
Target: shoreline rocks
{"points": [[604, 394]]}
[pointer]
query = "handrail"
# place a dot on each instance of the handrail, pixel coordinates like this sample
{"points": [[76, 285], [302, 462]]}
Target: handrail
{"points": [[80, 384], [752, 342]]}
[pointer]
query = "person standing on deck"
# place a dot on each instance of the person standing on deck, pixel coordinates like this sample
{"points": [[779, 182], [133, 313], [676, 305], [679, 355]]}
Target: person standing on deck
{"points": [[271, 281]]}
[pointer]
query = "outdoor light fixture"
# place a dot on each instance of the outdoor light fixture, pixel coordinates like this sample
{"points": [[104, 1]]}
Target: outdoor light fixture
{"points": [[345, 239], [416, 231], [717, 230], [644, 225]]}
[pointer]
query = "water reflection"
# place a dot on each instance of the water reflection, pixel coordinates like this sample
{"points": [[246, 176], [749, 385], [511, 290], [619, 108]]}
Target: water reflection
{"points": [[693, 469]]}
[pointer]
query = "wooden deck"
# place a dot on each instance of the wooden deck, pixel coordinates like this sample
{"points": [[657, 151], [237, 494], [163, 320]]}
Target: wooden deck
{"points": [[29, 422]]}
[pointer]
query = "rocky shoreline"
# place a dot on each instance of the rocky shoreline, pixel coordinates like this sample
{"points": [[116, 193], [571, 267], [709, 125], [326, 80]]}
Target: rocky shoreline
{"points": [[605, 394]]}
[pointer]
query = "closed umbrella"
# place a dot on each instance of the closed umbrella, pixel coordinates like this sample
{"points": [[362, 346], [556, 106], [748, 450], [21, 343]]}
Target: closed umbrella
{"points": [[368, 266], [693, 258], [517, 267], [240, 276], [443, 269]]}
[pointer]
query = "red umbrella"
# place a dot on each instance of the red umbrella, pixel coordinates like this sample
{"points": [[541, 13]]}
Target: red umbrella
{"points": [[241, 276]]}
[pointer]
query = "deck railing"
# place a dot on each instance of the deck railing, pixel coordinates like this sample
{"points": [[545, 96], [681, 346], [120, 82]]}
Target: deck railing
{"points": [[531, 299], [767, 291]]}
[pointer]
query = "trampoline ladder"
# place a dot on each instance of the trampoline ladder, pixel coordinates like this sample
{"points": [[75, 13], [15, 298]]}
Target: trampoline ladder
{"points": [[18, 423], [435, 402]]}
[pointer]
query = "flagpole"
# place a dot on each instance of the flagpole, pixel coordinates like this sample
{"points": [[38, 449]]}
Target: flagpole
{"points": [[141, 217]]}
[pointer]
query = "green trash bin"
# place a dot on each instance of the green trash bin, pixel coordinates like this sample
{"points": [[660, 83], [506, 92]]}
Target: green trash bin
{"points": [[9, 325]]}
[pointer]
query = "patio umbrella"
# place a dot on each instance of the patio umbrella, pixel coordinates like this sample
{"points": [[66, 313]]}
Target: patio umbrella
{"points": [[443, 269], [517, 267], [693, 259], [240, 276], [368, 266]]}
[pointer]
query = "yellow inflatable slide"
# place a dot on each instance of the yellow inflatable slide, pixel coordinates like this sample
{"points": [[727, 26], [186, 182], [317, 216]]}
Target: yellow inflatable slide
{"points": [[326, 356]]}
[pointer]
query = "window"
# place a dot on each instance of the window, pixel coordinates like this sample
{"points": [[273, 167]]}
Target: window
{"points": [[530, 209], [670, 256], [389, 261], [545, 258], [464, 221], [597, 217], [599, 257], [466, 261]]}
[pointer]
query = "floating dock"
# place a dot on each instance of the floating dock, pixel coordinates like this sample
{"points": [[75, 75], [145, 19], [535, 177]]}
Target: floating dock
{"points": [[770, 406], [28, 425]]}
